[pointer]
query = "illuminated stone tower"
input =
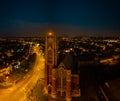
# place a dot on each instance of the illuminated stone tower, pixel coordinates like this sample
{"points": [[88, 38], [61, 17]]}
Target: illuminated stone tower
{"points": [[50, 60]]}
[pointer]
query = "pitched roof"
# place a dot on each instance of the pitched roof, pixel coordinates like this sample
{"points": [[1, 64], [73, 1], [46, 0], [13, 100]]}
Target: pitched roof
{"points": [[70, 62]]}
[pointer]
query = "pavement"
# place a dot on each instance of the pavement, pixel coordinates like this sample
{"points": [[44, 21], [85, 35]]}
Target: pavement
{"points": [[112, 89]]}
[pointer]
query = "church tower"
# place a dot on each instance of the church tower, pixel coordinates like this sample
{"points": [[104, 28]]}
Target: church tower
{"points": [[61, 80], [50, 60]]}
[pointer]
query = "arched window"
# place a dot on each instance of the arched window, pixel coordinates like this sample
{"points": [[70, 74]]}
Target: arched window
{"points": [[61, 80]]}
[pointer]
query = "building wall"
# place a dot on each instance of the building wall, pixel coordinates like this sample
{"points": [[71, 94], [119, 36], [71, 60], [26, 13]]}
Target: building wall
{"points": [[54, 90], [75, 90], [68, 85]]}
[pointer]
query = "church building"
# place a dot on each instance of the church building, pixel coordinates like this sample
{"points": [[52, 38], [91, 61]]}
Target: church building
{"points": [[61, 77]]}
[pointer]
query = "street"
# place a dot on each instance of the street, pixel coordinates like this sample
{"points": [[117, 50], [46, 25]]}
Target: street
{"points": [[20, 90]]}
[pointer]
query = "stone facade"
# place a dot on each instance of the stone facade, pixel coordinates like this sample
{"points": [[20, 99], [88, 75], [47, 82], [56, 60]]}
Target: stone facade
{"points": [[59, 80]]}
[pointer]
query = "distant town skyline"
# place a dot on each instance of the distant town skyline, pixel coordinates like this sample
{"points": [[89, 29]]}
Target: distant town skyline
{"points": [[65, 17]]}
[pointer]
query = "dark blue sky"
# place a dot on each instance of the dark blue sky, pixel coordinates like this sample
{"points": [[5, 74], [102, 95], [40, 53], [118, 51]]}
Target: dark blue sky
{"points": [[83, 17]]}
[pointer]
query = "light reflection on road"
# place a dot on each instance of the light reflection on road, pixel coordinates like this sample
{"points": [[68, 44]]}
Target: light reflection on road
{"points": [[20, 90]]}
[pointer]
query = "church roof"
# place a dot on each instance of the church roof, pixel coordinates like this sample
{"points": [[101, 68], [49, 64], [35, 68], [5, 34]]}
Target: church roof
{"points": [[70, 62]]}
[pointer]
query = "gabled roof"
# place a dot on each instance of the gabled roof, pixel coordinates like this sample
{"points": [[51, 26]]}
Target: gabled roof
{"points": [[69, 62]]}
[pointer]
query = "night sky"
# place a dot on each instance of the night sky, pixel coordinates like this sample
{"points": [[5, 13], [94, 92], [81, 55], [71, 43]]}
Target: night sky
{"points": [[64, 17]]}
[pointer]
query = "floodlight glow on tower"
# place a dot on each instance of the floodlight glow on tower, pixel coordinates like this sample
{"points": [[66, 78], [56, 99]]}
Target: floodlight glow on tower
{"points": [[50, 34]]}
